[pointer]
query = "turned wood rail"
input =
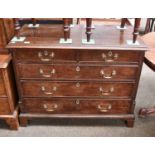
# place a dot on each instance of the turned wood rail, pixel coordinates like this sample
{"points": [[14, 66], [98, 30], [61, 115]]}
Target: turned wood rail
{"points": [[67, 22], [123, 22]]}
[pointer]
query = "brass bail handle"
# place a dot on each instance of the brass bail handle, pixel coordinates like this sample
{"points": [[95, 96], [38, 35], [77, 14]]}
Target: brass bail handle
{"points": [[107, 76], [106, 92], [110, 57], [104, 108], [52, 72], [46, 56], [50, 108], [43, 89]]}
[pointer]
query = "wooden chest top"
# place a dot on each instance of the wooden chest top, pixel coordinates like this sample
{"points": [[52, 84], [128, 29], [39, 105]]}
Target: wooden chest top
{"points": [[105, 36]]}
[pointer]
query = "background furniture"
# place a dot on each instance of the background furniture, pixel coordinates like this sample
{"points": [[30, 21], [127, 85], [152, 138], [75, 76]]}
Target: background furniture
{"points": [[150, 25], [149, 60], [103, 21], [8, 98], [8, 93], [6, 33]]}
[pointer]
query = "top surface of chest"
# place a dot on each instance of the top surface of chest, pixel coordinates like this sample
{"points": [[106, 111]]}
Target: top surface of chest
{"points": [[105, 36]]}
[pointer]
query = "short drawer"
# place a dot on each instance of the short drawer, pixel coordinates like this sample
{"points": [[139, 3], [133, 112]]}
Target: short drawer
{"points": [[45, 55], [2, 88], [70, 72], [80, 89], [109, 56], [4, 106], [72, 106]]}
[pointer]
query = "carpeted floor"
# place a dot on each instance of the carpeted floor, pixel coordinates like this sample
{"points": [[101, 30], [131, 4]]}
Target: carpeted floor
{"points": [[95, 128]]}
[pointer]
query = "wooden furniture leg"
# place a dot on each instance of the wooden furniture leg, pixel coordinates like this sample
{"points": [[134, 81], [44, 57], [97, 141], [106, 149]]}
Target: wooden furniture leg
{"points": [[88, 28], [136, 29], [66, 28], [12, 121], [123, 22], [34, 21], [143, 112], [23, 121], [130, 123], [147, 27], [16, 26], [78, 21]]}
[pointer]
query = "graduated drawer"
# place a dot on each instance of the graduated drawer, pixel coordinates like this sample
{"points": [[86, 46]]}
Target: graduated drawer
{"points": [[70, 72], [45, 55], [80, 89], [71, 55], [2, 88], [73, 106], [4, 106]]}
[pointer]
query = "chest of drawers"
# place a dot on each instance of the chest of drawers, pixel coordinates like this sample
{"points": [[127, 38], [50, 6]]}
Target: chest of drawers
{"points": [[8, 98], [76, 80]]}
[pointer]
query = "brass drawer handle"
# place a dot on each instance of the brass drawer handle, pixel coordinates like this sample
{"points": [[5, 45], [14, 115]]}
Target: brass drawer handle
{"points": [[77, 102], [108, 76], [110, 57], [47, 75], [50, 108], [78, 69], [106, 92], [77, 85], [50, 92], [102, 107], [46, 56]]}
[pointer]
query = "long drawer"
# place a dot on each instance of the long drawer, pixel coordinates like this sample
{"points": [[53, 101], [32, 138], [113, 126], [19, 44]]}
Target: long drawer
{"points": [[70, 55], [69, 89], [4, 106], [72, 106], [2, 88], [70, 72]]}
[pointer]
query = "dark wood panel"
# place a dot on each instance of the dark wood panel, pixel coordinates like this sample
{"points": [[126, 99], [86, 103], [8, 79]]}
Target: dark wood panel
{"points": [[3, 39], [62, 89], [76, 72], [2, 87], [10, 86], [6, 33], [71, 106], [8, 96], [4, 106]]}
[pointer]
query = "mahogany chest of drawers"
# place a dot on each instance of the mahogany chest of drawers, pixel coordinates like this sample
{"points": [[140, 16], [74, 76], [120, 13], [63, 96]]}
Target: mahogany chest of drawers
{"points": [[77, 80]]}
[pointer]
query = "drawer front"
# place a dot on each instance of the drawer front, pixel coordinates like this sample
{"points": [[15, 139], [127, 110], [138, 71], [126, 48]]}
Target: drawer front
{"points": [[4, 106], [45, 56], [108, 56], [2, 88], [80, 89], [70, 72], [69, 55], [59, 106]]}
